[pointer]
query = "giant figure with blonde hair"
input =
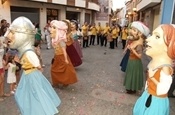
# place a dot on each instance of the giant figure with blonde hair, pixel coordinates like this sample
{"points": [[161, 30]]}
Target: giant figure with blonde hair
{"points": [[62, 70], [161, 49]]}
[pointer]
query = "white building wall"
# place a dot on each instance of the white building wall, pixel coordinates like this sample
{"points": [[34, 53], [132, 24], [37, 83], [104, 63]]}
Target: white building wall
{"points": [[156, 18], [6, 14], [103, 23], [93, 6], [5, 11], [63, 2], [121, 16], [80, 3], [145, 3]]}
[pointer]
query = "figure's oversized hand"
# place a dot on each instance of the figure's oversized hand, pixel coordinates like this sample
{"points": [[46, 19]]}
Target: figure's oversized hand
{"points": [[151, 72], [66, 61], [16, 58], [130, 47]]}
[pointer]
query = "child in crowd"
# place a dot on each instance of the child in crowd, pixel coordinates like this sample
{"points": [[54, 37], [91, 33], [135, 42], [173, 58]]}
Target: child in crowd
{"points": [[2, 65], [18, 69], [38, 52], [11, 74]]}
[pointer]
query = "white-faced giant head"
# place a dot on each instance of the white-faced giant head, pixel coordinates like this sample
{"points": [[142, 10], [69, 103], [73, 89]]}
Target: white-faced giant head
{"points": [[161, 42], [20, 33]]}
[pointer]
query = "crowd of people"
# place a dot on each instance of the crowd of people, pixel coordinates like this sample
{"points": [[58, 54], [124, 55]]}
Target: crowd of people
{"points": [[9, 65], [102, 35], [32, 89], [92, 34]]}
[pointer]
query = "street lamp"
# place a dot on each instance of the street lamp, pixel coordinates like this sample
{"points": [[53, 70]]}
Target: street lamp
{"points": [[77, 9], [129, 13], [134, 9]]}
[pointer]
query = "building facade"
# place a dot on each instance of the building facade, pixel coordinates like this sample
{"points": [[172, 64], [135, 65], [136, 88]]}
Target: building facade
{"points": [[168, 12], [39, 11], [150, 12]]}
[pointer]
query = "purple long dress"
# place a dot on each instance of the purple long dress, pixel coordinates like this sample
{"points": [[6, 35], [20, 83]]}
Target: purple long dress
{"points": [[77, 44]]}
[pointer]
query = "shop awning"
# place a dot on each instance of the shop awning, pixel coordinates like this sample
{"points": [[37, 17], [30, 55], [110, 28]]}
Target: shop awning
{"points": [[146, 4]]}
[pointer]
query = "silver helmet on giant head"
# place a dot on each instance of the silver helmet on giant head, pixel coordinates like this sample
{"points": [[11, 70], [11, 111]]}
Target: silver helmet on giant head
{"points": [[21, 33]]}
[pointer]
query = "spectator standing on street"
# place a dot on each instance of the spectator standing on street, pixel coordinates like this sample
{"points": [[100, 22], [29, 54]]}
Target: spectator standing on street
{"points": [[124, 36], [93, 31], [11, 74], [105, 33], [47, 34], [2, 72], [3, 27], [84, 30], [18, 69], [114, 35], [117, 38], [99, 33], [38, 52], [38, 34]]}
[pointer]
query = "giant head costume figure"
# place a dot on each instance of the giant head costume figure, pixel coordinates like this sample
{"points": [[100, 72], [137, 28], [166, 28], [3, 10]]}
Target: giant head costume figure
{"points": [[138, 29], [161, 44], [21, 34], [58, 31]]}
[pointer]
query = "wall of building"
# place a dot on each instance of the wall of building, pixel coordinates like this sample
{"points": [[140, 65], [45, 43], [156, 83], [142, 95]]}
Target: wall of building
{"points": [[156, 18], [5, 11], [167, 11]]}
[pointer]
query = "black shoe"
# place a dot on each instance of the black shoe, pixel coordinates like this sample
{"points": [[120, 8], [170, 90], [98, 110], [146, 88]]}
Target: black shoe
{"points": [[171, 96], [130, 91]]}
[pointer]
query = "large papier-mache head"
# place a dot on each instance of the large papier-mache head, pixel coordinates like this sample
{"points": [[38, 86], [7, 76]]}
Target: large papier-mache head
{"points": [[61, 30], [22, 33], [141, 27]]}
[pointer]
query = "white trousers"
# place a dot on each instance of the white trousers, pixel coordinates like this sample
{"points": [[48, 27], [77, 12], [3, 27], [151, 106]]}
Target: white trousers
{"points": [[48, 40]]}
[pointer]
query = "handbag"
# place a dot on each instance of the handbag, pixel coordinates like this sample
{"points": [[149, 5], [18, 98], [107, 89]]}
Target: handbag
{"points": [[52, 61]]}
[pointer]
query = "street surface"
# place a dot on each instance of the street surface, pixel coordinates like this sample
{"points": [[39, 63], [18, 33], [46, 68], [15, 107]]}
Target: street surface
{"points": [[99, 91]]}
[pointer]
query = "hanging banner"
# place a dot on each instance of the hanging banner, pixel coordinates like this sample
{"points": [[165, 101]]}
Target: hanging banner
{"points": [[102, 15]]}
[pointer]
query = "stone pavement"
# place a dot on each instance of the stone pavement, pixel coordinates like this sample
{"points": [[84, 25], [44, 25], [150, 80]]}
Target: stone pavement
{"points": [[99, 90]]}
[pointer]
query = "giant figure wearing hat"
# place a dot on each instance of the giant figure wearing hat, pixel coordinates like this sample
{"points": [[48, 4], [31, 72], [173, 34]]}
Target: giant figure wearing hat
{"points": [[134, 71]]}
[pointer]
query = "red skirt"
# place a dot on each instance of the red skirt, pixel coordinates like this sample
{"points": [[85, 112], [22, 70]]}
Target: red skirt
{"points": [[73, 55]]}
